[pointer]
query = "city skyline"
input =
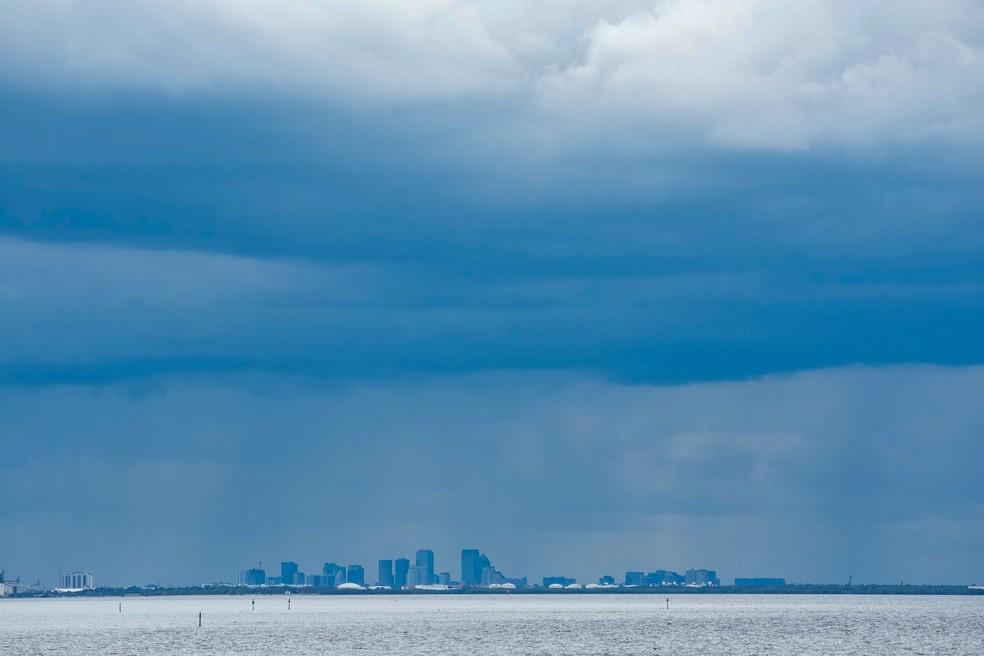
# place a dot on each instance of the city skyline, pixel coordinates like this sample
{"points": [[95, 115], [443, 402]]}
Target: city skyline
{"points": [[475, 570]]}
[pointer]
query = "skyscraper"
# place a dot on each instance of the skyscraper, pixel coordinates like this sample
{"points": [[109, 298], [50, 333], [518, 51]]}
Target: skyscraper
{"points": [[400, 569], [288, 572], [385, 576], [424, 567], [334, 575], [356, 574], [471, 568], [483, 564]]}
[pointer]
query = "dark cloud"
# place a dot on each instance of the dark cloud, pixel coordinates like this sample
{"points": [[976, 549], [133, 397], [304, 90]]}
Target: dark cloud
{"points": [[256, 305], [244, 233]]}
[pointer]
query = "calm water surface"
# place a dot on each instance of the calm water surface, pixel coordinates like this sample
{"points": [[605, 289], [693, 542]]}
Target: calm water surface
{"points": [[516, 624]]}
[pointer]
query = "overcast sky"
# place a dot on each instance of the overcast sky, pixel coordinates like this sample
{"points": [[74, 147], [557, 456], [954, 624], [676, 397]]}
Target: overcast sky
{"points": [[590, 285]]}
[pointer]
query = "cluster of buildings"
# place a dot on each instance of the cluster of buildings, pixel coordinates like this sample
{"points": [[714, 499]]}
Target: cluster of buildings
{"points": [[395, 574], [661, 577], [9, 588], [477, 571], [73, 582]]}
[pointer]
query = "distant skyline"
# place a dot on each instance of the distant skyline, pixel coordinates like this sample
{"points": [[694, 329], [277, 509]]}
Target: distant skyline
{"points": [[597, 286]]}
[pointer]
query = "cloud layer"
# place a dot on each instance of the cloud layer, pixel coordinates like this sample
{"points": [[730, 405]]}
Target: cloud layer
{"points": [[320, 279], [748, 74], [95, 313]]}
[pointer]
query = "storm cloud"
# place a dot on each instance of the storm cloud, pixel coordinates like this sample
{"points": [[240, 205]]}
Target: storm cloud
{"points": [[678, 283]]}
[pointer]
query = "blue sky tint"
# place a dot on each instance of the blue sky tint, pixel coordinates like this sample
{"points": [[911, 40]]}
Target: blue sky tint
{"points": [[667, 260]]}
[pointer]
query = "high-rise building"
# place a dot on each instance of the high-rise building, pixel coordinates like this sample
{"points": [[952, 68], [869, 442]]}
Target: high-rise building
{"points": [[385, 576], [356, 574], [79, 581], [288, 572], [424, 568], [334, 575], [471, 567], [401, 568], [254, 576]]}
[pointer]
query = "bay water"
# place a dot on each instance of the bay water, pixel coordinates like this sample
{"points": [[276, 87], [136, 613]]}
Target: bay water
{"points": [[474, 625]]}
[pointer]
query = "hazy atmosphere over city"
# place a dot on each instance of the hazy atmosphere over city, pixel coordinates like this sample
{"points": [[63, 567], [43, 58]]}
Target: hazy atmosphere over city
{"points": [[592, 286]]}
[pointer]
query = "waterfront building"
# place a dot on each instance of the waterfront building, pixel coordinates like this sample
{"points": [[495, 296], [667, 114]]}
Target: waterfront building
{"points": [[633, 578], [424, 568], [254, 576], [334, 575], [385, 573], [78, 581], [356, 574], [401, 568], [444, 578], [8, 587], [288, 572], [663, 577], [471, 567], [701, 577], [477, 571], [606, 580]]}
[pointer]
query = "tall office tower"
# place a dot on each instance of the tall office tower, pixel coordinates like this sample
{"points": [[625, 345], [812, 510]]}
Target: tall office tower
{"points": [[424, 567], [356, 574], [385, 577], [288, 572], [483, 564], [400, 569], [332, 574], [471, 572]]}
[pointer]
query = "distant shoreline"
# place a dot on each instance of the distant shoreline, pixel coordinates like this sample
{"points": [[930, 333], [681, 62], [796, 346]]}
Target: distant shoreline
{"points": [[789, 589]]}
